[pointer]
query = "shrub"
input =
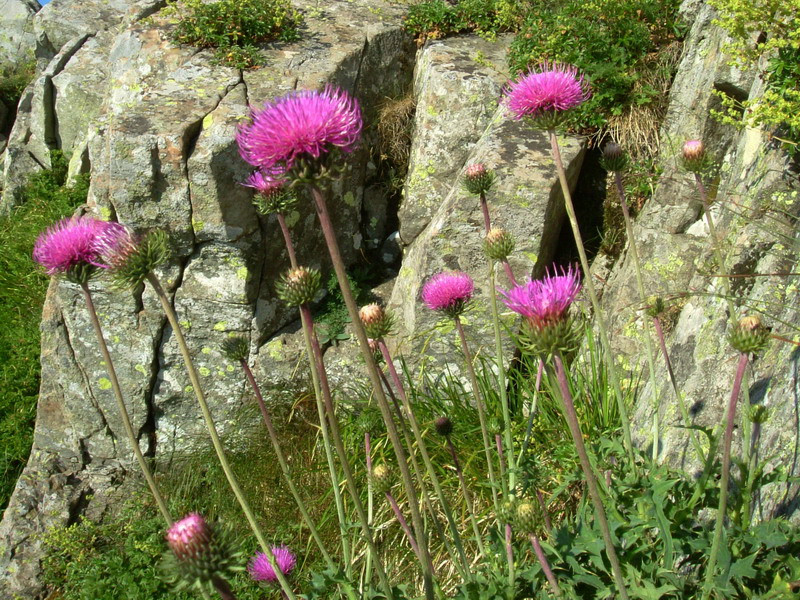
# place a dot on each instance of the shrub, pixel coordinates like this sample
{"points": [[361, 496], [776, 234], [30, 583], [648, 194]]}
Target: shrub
{"points": [[235, 28]]}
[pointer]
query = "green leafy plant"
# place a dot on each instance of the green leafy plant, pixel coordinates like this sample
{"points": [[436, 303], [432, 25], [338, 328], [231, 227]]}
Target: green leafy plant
{"points": [[236, 29]]}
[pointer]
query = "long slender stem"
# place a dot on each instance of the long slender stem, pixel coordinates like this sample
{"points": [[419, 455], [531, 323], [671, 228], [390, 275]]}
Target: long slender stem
{"points": [[336, 437], [589, 284], [212, 432], [687, 422], [426, 459], [724, 477], [372, 371], [481, 410], [529, 429], [126, 420], [651, 362], [223, 589], [501, 383], [548, 524], [512, 576], [287, 238], [548, 572], [591, 482], [273, 437], [370, 499], [467, 496], [403, 523]]}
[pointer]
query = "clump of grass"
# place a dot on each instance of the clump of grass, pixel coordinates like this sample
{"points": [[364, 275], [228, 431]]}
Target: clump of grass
{"points": [[236, 28], [13, 81], [45, 199]]}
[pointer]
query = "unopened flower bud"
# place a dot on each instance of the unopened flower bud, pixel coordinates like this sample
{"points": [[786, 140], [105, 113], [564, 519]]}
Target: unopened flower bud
{"points": [[758, 414], [130, 257], [613, 158], [525, 517], [508, 510], [377, 322], [749, 336], [498, 244], [655, 306], [695, 159], [381, 479], [478, 179], [236, 348], [443, 426], [298, 286]]}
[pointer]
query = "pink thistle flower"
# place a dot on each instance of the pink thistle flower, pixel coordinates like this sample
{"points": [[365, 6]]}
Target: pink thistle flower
{"points": [[260, 569], [70, 243], [265, 183], [190, 537], [448, 292], [545, 90], [305, 123], [545, 302], [115, 243]]}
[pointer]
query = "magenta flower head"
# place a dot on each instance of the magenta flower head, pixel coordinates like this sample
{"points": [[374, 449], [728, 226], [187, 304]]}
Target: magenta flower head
{"points": [[70, 248], [201, 554], [272, 192], [261, 570], [297, 131], [545, 93], [448, 292], [545, 304]]}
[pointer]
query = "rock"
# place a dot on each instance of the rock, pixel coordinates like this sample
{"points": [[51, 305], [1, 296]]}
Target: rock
{"points": [[17, 40], [457, 88]]}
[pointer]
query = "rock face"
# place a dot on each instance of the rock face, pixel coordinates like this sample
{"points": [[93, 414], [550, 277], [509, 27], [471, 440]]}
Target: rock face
{"points": [[754, 208], [17, 40]]}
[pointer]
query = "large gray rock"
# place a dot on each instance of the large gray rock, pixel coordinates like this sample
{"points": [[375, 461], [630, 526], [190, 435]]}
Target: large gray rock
{"points": [[457, 85], [17, 39]]}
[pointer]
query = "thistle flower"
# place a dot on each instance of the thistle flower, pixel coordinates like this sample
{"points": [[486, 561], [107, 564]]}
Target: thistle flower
{"points": [[130, 257], [377, 322], [260, 569], [300, 126], [298, 286], [272, 192], [443, 426], [749, 336], [613, 158], [200, 554], [544, 304], [545, 93], [448, 292], [478, 179], [498, 244], [70, 248], [695, 159]]}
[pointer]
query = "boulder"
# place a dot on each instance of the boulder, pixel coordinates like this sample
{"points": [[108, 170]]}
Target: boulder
{"points": [[17, 40]]}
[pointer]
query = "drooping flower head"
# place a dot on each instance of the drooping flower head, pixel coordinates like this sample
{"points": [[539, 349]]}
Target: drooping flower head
{"points": [[261, 570], [545, 304], [300, 127], [70, 248], [130, 257], [272, 192], [546, 92], [448, 292]]}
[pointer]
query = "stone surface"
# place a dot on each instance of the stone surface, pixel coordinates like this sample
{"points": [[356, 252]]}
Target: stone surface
{"points": [[457, 87], [17, 38]]}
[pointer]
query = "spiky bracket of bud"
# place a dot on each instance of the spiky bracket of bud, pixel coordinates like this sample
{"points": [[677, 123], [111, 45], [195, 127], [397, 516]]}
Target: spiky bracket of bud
{"points": [[498, 244], [478, 179], [443, 426], [236, 348], [526, 517], [280, 200], [560, 337], [377, 321], [749, 336], [139, 259], [298, 286], [654, 307], [381, 478], [613, 158], [695, 159]]}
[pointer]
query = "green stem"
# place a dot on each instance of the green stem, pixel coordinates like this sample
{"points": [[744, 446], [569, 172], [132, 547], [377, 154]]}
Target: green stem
{"points": [[426, 459], [330, 411], [473, 380], [403, 523], [372, 370], [724, 477], [273, 437], [126, 420], [591, 482], [212, 432], [467, 496], [589, 285], [512, 577], [651, 363]]}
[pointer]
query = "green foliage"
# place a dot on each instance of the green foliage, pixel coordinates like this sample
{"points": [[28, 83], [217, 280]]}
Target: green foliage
{"points": [[45, 199], [13, 80], [236, 28], [436, 18], [775, 27], [331, 318]]}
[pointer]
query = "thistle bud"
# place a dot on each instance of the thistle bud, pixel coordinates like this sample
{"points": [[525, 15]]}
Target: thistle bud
{"points": [[508, 510], [298, 286], [655, 306], [613, 158], [381, 478], [695, 159], [498, 244], [758, 414], [749, 336], [443, 426], [377, 322], [478, 179], [131, 258], [525, 517], [273, 194], [236, 348], [200, 554]]}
